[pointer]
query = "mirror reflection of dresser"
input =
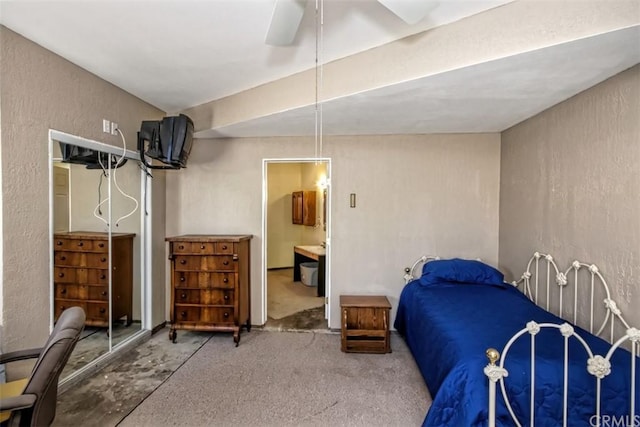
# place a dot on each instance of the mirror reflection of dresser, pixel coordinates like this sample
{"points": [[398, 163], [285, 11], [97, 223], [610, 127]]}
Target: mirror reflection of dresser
{"points": [[82, 273], [97, 245]]}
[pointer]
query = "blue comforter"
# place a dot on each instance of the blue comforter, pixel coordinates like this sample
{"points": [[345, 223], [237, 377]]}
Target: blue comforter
{"points": [[449, 326]]}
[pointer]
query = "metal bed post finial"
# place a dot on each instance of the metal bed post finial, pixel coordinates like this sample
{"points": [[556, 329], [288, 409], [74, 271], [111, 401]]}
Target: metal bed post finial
{"points": [[493, 355], [494, 373]]}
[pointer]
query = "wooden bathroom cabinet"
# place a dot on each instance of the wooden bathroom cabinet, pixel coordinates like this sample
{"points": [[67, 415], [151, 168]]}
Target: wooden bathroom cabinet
{"points": [[303, 207]]}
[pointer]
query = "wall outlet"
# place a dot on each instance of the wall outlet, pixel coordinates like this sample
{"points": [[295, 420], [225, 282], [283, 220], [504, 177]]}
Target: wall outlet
{"points": [[114, 128], [106, 126]]}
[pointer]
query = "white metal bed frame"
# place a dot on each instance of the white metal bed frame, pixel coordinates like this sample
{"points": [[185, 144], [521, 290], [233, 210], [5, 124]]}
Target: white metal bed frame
{"points": [[555, 286]]}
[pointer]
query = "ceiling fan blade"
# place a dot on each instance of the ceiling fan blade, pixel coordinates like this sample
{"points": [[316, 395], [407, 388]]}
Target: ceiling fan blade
{"points": [[286, 18], [410, 11]]}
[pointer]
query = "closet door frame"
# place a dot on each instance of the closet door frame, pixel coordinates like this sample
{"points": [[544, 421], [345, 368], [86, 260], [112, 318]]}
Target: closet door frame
{"points": [[144, 334]]}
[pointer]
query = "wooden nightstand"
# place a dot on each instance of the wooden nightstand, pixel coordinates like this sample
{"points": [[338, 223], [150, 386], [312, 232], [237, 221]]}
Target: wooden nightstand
{"points": [[365, 324]]}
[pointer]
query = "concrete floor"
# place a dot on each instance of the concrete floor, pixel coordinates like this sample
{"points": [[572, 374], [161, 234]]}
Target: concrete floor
{"points": [[108, 396]]}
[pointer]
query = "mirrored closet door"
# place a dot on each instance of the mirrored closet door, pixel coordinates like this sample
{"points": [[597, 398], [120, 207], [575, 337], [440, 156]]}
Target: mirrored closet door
{"points": [[97, 222]]}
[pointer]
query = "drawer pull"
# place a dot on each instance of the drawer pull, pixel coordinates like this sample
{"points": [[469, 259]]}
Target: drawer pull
{"points": [[202, 246], [182, 278], [226, 297], [63, 308], [183, 313], [183, 261], [60, 274], [103, 259], [226, 314], [225, 280], [103, 293], [101, 245], [183, 295], [62, 258], [59, 243], [181, 247], [103, 276], [63, 291], [80, 244], [224, 247], [102, 310], [225, 263]]}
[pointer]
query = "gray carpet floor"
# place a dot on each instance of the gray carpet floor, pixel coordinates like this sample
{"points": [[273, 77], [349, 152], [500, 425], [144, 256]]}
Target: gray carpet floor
{"points": [[287, 379]]}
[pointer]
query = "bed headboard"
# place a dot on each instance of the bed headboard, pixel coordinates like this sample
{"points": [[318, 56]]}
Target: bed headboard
{"points": [[410, 272]]}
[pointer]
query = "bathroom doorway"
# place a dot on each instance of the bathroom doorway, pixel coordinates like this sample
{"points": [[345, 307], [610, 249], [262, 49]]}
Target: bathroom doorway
{"points": [[296, 245]]}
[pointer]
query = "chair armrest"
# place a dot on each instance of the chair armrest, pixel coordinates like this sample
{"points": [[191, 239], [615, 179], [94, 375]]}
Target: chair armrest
{"points": [[14, 356], [15, 403]]}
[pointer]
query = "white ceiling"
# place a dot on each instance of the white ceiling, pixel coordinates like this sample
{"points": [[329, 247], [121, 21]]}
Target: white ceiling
{"points": [[177, 54], [487, 97]]}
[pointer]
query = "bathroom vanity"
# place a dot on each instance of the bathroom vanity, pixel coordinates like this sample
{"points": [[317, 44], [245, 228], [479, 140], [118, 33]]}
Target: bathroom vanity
{"points": [[310, 253]]}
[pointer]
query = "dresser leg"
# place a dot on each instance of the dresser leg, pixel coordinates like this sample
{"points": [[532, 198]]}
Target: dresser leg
{"points": [[236, 337], [173, 335]]}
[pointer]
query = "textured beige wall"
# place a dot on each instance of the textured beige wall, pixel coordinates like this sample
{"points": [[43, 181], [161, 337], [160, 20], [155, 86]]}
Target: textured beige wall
{"points": [[38, 91], [417, 194], [570, 186]]}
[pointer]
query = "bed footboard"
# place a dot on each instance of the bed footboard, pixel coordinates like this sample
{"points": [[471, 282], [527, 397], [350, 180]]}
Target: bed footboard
{"points": [[579, 294], [599, 366]]}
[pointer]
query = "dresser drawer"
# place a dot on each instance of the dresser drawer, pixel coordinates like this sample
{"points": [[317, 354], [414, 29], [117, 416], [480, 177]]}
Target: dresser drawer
{"points": [[71, 291], [205, 263], [97, 311], [194, 248], [90, 276], [203, 248], [204, 296], [99, 293], [81, 259], [83, 245], [195, 279], [184, 313], [61, 305], [225, 248]]}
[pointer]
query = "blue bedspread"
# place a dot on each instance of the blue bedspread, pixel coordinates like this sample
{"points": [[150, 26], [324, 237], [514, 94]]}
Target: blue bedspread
{"points": [[449, 326]]}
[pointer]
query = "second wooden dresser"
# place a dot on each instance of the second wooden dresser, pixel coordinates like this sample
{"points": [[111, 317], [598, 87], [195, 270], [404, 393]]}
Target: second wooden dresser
{"points": [[81, 275], [210, 283]]}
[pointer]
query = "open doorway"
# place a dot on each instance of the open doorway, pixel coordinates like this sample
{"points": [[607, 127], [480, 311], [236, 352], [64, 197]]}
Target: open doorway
{"points": [[296, 247]]}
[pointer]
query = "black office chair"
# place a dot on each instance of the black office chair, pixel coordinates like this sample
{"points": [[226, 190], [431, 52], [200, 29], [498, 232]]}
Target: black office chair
{"points": [[32, 401]]}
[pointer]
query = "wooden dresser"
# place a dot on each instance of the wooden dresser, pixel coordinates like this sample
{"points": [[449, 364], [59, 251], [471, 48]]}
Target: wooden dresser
{"points": [[81, 275], [210, 283]]}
